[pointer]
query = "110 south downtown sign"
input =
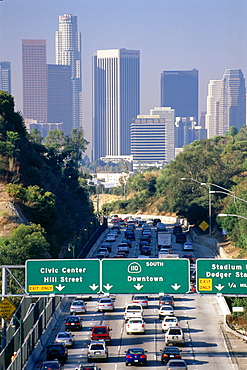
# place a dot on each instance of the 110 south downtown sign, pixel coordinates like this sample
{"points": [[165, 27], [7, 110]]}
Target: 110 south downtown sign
{"points": [[85, 276]]}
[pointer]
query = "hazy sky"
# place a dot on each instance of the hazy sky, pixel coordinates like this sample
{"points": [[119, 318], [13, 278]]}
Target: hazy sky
{"points": [[209, 35]]}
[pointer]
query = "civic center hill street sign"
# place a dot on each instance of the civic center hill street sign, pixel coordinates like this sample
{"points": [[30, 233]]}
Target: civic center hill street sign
{"points": [[73, 276]]}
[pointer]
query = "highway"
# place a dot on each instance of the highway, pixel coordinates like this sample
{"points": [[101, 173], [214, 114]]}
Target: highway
{"points": [[199, 316]]}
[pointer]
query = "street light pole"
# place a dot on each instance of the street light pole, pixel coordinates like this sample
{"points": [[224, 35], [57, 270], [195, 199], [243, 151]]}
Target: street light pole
{"points": [[230, 214]]}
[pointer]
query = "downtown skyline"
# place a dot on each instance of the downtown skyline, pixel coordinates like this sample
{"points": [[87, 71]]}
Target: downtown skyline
{"points": [[171, 35]]}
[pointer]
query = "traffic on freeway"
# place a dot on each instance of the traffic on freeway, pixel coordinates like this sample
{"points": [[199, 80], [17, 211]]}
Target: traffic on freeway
{"points": [[178, 331]]}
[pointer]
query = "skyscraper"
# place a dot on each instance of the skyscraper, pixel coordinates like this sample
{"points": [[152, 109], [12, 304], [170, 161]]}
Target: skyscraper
{"points": [[59, 105], [68, 52], [116, 100], [179, 90], [226, 103], [234, 107], [152, 137], [5, 76], [34, 76]]}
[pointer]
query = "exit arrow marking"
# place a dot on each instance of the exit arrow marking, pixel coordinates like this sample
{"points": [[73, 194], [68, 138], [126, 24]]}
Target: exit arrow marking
{"points": [[108, 286], [138, 286], [60, 287], [93, 287], [176, 286], [219, 287]]}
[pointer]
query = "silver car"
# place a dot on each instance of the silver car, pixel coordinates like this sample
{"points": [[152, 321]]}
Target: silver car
{"points": [[97, 350], [66, 338], [105, 304], [176, 365], [78, 306]]}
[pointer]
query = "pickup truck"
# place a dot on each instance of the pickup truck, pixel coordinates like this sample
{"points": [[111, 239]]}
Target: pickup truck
{"points": [[132, 311]]}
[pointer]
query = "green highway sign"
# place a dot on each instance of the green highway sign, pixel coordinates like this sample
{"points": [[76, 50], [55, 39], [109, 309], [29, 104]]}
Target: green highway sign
{"points": [[73, 276], [145, 275], [226, 276]]}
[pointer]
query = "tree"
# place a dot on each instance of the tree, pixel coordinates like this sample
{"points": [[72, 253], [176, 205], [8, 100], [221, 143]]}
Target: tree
{"points": [[55, 140], [35, 136], [26, 242]]}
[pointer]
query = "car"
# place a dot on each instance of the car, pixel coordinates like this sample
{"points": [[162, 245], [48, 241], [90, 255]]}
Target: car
{"points": [[145, 250], [165, 250], [168, 353], [136, 356], [87, 367], [174, 335], [177, 229], [141, 299], [50, 365], [101, 255], [129, 235], [121, 255], [166, 299], [97, 350], [101, 332], [136, 325], [127, 241], [143, 242], [104, 250], [123, 248], [133, 310], [181, 238], [56, 351], [105, 304], [66, 338], [73, 323], [165, 310], [145, 238], [106, 245], [78, 306], [169, 321], [110, 238], [150, 221], [176, 365], [188, 246], [190, 257]]}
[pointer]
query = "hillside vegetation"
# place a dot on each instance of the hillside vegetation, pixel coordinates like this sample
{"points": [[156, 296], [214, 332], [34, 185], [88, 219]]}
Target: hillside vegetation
{"points": [[44, 182], [220, 161]]}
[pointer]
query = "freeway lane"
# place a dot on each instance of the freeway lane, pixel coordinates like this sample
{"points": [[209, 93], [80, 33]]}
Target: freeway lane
{"points": [[204, 347]]}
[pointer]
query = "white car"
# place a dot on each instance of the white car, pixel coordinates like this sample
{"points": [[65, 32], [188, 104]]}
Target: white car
{"points": [[97, 350], [174, 336], [169, 321], [132, 311], [105, 304], [165, 310], [136, 325]]}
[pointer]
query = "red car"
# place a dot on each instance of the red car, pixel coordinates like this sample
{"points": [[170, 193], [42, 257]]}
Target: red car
{"points": [[101, 332]]}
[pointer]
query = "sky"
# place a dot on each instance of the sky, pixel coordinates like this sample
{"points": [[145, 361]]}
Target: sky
{"points": [[208, 35]]}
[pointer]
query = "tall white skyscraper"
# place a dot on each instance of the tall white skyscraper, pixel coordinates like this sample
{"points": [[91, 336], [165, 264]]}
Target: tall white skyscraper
{"points": [[226, 103], [116, 100], [68, 52], [214, 109]]}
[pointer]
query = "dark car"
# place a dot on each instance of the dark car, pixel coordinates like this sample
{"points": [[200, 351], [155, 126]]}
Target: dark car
{"points": [[73, 323], [181, 238], [50, 365], [101, 332], [106, 245], [127, 241], [168, 353], [120, 255], [130, 235], [136, 356], [145, 250], [190, 257], [166, 299], [177, 229], [57, 351]]}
